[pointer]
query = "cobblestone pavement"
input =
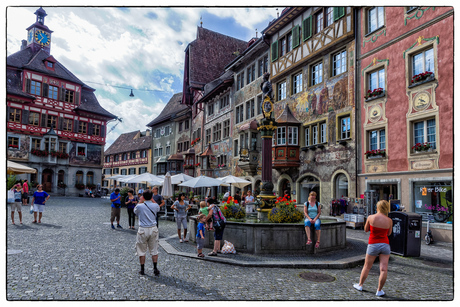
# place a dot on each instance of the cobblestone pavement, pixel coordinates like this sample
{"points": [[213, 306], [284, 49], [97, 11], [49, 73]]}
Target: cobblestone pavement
{"points": [[75, 255]]}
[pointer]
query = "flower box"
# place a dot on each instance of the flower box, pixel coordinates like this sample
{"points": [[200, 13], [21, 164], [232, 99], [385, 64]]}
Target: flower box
{"points": [[13, 146], [375, 154], [422, 147], [424, 76], [39, 153], [376, 93]]}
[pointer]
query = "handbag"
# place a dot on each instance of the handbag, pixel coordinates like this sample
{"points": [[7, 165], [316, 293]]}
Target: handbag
{"points": [[31, 209], [10, 196]]}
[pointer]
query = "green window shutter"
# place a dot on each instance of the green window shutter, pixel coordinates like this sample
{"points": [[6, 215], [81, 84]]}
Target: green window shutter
{"points": [[339, 12], [295, 37], [274, 51], [307, 28]]}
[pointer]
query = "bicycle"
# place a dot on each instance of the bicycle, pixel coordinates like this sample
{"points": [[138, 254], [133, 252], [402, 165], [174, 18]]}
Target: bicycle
{"points": [[441, 213], [429, 236]]}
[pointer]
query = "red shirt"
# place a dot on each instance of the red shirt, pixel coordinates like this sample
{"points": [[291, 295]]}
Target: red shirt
{"points": [[378, 235], [25, 186]]}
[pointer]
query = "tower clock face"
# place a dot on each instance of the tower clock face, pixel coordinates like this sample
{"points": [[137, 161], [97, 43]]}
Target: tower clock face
{"points": [[42, 37]]}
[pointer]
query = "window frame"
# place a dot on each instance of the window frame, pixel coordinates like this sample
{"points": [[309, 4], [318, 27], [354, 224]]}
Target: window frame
{"points": [[378, 26], [335, 71], [280, 132], [32, 120], [82, 127], [17, 115], [297, 85], [339, 132], [51, 121], [425, 131], [293, 135], [251, 73], [35, 143], [378, 138], [281, 88], [67, 124], [13, 140], [319, 80]]}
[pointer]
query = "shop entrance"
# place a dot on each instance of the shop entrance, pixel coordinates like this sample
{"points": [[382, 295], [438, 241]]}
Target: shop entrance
{"points": [[385, 191]]}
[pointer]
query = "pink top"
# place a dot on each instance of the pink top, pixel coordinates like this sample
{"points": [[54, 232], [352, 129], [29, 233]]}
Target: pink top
{"points": [[25, 187]]}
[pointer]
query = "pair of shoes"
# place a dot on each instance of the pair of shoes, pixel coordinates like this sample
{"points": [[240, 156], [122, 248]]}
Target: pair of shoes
{"points": [[180, 240], [380, 293], [113, 227], [119, 226], [358, 287], [185, 240], [212, 254], [317, 244], [34, 221], [156, 272], [141, 273], [201, 255], [219, 251], [309, 242]]}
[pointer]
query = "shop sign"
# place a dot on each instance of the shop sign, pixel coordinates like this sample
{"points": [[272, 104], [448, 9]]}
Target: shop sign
{"points": [[425, 190], [420, 165]]}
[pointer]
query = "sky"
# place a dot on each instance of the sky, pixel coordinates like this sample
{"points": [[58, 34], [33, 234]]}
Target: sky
{"points": [[116, 49]]}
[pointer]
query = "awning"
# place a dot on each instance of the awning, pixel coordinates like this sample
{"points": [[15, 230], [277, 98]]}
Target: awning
{"points": [[16, 168], [161, 160], [251, 125]]}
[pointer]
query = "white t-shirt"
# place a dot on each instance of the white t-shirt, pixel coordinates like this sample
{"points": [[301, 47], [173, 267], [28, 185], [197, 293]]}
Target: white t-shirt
{"points": [[249, 199]]}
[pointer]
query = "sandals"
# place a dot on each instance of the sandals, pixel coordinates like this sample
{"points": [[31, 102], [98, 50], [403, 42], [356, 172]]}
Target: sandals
{"points": [[212, 254], [317, 244], [201, 255], [181, 241], [309, 242]]}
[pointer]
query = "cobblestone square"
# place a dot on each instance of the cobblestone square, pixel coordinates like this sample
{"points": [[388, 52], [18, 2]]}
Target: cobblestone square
{"points": [[75, 255]]}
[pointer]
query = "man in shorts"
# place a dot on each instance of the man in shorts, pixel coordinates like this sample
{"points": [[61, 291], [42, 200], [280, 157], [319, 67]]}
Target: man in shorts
{"points": [[147, 233]]}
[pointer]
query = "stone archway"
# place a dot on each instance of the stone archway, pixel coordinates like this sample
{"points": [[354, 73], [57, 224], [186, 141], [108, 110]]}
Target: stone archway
{"points": [[47, 179], [284, 184]]}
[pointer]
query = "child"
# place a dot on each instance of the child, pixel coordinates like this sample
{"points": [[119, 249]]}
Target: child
{"points": [[200, 235], [205, 210]]}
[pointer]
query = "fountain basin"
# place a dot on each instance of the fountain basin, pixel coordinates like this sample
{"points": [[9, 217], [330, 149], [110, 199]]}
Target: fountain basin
{"points": [[276, 238]]}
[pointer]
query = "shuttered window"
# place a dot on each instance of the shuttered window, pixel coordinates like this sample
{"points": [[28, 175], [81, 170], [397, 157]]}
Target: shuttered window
{"points": [[339, 12], [307, 26], [274, 51], [295, 37]]}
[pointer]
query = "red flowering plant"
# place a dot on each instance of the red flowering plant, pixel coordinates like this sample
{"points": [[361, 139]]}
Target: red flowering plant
{"points": [[60, 155], [422, 76], [13, 146], [374, 93], [421, 146], [39, 153], [197, 164], [375, 152], [232, 210], [195, 141], [285, 211], [188, 166]]}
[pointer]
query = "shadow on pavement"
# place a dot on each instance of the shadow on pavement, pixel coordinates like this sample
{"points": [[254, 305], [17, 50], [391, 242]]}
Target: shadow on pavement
{"points": [[48, 225]]}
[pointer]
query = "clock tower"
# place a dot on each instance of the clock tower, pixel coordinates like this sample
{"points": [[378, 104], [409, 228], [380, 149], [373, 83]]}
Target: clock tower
{"points": [[38, 35]]}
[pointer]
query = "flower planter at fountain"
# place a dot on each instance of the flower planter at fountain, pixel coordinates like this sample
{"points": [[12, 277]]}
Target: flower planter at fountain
{"points": [[273, 238]]}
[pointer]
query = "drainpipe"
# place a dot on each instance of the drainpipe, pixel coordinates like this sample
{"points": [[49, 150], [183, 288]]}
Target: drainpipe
{"points": [[357, 109]]}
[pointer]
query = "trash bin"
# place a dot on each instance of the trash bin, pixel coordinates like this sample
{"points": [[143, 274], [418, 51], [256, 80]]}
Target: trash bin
{"points": [[405, 239]]}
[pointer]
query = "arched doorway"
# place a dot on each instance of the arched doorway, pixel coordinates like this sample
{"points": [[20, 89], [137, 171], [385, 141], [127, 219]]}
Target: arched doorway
{"points": [[307, 185], [284, 187], [47, 179], [341, 186]]}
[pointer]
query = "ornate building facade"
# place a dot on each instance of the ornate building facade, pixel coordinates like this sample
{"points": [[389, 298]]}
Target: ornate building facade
{"points": [[54, 122]]}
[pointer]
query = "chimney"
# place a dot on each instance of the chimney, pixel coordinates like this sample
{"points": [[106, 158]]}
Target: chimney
{"points": [[24, 44], [147, 132]]}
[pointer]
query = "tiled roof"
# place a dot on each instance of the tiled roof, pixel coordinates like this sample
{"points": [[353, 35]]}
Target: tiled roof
{"points": [[211, 87], [173, 107], [89, 103], [13, 84], [210, 53], [127, 143], [287, 117]]}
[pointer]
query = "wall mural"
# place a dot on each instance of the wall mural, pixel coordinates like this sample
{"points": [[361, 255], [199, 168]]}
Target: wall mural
{"points": [[22, 152], [93, 155]]}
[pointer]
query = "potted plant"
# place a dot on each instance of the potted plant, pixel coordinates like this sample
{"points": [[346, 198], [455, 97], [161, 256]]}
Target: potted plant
{"points": [[374, 93], [80, 186], [285, 211], [61, 185], [231, 209], [422, 147], [427, 75], [39, 153], [13, 146], [376, 153]]}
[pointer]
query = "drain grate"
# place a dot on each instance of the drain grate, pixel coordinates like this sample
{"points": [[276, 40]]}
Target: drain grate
{"points": [[317, 277], [444, 265]]}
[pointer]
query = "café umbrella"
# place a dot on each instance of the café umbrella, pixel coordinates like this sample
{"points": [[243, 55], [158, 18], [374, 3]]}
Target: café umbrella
{"points": [[203, 181]]}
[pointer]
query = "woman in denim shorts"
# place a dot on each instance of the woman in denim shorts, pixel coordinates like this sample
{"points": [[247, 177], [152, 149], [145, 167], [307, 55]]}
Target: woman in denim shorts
{"points": [[181, 206]]}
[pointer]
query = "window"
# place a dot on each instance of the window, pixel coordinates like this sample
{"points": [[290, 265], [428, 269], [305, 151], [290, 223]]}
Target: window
{"points": [[314, 135], [34, 118], [124, 171], [251, 73], [239, 114], [339, 63], [297, 83], [329, 16], [81, 151], [144, 154], [240, 81], [281, 136], [422, 62], [168, 150], [107, 159], [142, 170], [35, 87], [35, 144], [208, 136], [316, 73], [216, 133], [377, 139], [307, 136], [67, 124], [319, 22], [51, 121], [289, 42], [15, 115], [186, 125], [341, 186], [250, 109], [133, 155], [235, 148], [124, 157], [253, 141], [375, 19], [96, 129], [62, 147], [282, 46], [116, 171], [226, 132], [69, 96], [79, 177], [282, 90], [323, 132], [224, 102], [263, 65], [345, 128], [155, 151], [13, 142], [376, 79], [132, 171], [210, 109], [82, 127], [53, 92], [259, 104], [293, 135], [425, 131], [181, 125]]}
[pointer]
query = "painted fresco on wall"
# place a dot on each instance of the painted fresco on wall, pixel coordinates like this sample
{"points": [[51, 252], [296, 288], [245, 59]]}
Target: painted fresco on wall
{"points": [[22, 153], [93, 155]]}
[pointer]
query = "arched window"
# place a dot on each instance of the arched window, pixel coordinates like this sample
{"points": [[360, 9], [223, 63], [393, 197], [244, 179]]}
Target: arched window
{"points": [[308, 185], [79, 177], [61, 174], [90, 178], [341, 186]]}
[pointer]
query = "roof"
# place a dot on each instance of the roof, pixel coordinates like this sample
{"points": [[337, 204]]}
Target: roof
{"points": [[212, 88], [127, 142], [287, 117], [13, 84], [173, 107], [208, 151], [209, 53], [89, 103]]}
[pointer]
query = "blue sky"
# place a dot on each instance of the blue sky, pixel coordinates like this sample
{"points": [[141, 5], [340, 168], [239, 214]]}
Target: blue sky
{"points": [[116, 49]]}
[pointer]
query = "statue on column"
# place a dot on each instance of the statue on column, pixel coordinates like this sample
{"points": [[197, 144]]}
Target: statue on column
{"points": [[267, 92]]}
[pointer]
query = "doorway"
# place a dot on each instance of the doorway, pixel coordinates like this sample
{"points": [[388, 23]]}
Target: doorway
{"points": [[385, 191], [47, 179]]}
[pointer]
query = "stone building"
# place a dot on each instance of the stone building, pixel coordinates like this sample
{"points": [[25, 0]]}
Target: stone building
{"points": [[405, 55], [54, 122], [312, 56], [129, 154]]}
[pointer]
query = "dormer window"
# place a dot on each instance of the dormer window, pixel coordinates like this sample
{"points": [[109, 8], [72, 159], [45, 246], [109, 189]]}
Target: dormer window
{"points": [[49, 65]]}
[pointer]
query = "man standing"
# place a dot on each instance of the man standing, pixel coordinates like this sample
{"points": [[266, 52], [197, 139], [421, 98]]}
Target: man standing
{"points": [[147, 233], [158, 199], [116, 207], [25, 193]]}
